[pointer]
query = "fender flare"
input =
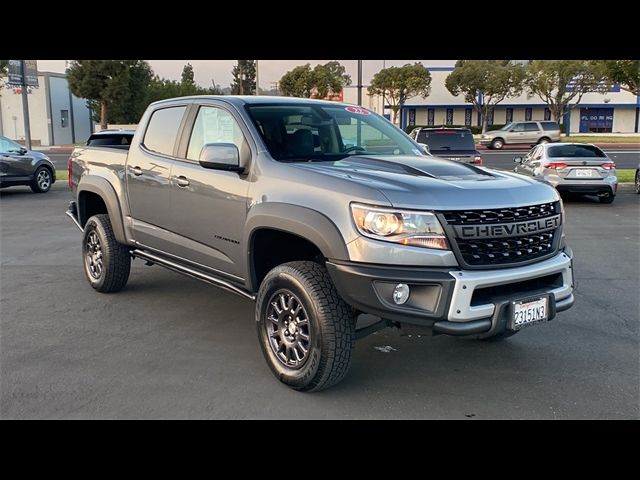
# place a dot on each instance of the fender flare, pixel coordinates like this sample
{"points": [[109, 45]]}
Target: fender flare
{"points": [[304, 222], [102, 188]]}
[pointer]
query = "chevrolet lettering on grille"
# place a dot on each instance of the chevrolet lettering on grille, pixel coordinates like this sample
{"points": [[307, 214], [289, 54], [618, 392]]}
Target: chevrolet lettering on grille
{"points": [[505, 230]]}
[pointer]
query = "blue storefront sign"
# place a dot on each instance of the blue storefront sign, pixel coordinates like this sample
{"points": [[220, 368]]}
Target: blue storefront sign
{"points": [[596, 120]]}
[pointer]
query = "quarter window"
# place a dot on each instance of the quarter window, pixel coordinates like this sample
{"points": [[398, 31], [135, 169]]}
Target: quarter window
{"points": [[163, 129], [213, 125]]}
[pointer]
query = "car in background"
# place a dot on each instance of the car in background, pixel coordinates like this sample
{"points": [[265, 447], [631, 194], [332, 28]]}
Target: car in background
{"points": [[573, 168], [450, 143], [522, 133], [111, 138], [19, 166]]}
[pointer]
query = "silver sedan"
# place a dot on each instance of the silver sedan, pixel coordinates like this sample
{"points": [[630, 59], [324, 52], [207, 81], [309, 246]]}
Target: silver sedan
{"points": [[572, 168]]}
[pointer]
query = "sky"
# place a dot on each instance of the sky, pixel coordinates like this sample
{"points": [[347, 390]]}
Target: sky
{"points": [[270, 71]]}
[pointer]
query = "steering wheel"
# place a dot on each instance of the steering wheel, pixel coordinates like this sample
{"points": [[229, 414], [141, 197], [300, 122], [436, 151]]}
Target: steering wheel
{"points": [[354, 148]]}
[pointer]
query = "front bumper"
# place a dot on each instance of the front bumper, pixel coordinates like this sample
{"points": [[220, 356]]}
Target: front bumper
{"points": [[453, 301]]}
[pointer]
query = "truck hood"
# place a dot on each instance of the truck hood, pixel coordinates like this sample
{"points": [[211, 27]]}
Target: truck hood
{"points": [[433, 183]]}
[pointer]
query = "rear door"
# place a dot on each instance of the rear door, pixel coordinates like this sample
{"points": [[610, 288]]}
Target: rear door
{"points": [[532, 132], [148, 175]]}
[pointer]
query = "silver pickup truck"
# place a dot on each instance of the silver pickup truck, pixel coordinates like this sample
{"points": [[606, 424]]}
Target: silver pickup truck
{"points": [[320, 211]]}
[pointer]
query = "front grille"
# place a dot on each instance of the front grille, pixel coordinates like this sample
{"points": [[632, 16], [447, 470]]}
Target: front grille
{"points": [[501, 215], [488, 252]]}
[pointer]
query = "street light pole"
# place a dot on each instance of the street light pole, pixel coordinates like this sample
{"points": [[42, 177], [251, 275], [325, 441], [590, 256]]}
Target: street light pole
{"points": [[360, 82], [25, 107]]}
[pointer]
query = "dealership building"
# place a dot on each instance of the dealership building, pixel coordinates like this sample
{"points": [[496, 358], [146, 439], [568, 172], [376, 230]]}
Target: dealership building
{"points": [[56, 116], [615, 111]]}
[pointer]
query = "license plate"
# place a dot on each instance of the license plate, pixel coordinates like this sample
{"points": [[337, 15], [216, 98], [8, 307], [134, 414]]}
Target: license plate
{"points": [[529, 311], [584, 172]]}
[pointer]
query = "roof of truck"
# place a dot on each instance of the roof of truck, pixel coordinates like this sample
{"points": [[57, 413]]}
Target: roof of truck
{"points": [[251, 99]]}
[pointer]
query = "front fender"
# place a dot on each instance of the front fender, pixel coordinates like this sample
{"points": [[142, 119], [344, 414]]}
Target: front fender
{"points": [[102, 188], [304, 222]]}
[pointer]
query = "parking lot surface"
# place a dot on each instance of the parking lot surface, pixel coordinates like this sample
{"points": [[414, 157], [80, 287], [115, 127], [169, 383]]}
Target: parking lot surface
{"points": [[171, 347]]}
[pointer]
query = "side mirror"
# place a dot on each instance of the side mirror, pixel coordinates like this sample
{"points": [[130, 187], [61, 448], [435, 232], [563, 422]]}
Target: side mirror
{"points": [[425, 147], [518, 160], [23, 151], [221, 156]]}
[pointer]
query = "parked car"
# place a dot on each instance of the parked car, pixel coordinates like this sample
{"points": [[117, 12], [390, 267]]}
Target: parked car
{"points": [[638, 179], [522, 133], [238, 192], [111, 138], [19, 166], [572, 168], [451, 143]]}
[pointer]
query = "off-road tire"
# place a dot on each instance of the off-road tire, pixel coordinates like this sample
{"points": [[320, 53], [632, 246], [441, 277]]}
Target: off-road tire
{"points": [[331, 326], [116, 260]]}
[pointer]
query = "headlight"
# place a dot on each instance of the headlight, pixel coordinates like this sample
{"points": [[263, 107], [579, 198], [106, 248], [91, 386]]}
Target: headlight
{"points": [[407, 227]]}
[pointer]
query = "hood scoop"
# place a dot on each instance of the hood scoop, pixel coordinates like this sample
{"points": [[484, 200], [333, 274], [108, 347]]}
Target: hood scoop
{"points": [[419, 166]]}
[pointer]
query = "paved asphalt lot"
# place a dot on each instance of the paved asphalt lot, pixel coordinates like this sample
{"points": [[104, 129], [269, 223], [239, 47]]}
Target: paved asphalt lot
{"points": [[624, 157], [170, 347]]}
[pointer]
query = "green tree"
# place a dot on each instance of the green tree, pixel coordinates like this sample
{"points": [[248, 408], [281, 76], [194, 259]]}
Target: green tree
{"points": [[398, 84], [561, 84], [115, 88], [187, 78], [297, 82], [624, 72], [244, 78], [485, 83], [4, 71], [320, 82]]}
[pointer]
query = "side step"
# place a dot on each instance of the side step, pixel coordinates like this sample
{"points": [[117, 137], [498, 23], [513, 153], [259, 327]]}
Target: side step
{"points": [[176, 267]]}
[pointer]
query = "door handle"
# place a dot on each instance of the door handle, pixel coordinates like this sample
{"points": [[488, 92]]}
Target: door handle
{"points": [[182, 181], [137, 171]]}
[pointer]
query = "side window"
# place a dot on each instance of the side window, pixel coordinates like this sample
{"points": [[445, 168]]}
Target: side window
{"points": [[518, 127], [4, 146], [213, 125], [163, 129], [422, 137], [534, 153], [531, 127]]}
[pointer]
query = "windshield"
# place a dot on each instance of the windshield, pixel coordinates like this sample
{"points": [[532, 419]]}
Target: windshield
{"points": [[447, 140], [507, 127], [7, 145], [327, 132]]}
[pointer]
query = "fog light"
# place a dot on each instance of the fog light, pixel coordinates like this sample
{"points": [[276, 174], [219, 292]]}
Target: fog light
{"points": [[401, 293]]}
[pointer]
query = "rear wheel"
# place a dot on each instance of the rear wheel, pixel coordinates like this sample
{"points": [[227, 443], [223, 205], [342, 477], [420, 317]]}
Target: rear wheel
{"points": [[497, 144], [42, 180], [543, 140], [106, 261], [306, 331], [608, 198], [638, 181]]}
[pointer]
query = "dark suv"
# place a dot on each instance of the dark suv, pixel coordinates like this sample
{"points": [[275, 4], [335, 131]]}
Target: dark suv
{"points": [[450, 143]]}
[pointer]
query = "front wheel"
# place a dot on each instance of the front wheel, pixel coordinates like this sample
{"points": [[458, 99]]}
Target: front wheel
{"points": [[42, 180], [306, 331], [638, 181], [106, 261], [497, 144]]}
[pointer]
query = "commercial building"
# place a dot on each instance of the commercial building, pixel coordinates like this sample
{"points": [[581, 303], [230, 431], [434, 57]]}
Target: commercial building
{"points": [[56, 116], [615, 111]]}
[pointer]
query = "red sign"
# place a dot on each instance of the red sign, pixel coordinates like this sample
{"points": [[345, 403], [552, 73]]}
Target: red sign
{"points": [[357, 110]]}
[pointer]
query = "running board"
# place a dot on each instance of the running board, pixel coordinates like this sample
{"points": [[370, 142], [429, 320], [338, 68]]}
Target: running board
{"points": [[189, 272]]}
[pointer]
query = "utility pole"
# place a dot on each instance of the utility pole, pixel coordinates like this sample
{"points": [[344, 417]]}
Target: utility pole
{"points": [[257, 80], [241, 77], [25, 107], [360, 82]]}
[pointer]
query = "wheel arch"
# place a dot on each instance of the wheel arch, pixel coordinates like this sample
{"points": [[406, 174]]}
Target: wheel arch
{"points": [[100, 187]]}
